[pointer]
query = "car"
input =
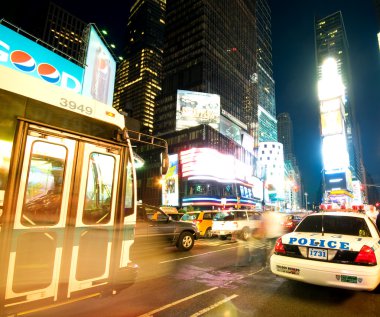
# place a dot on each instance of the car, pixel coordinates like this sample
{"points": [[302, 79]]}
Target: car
{"points": [[170, 211], [203, 220], [240, 223], [154, 227], [334, 249], [291, 221]]}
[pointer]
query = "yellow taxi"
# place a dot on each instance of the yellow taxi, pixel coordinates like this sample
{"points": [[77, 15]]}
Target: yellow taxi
{"points": [[202, 219]]}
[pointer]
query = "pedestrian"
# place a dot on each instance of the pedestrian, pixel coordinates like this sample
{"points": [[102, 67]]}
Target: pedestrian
{"points": [[273, 229]]}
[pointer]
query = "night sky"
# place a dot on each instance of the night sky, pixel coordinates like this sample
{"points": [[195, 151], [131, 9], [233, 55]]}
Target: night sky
{"points": [[293, 65], [295, 76]]}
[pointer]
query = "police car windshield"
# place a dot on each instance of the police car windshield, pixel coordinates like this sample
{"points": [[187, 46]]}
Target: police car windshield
{"points": [[351, 226]]}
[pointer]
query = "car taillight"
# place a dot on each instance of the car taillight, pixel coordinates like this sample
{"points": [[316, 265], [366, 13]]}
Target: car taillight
{"points": [[279, 247], [197, 221], [366, 256]]}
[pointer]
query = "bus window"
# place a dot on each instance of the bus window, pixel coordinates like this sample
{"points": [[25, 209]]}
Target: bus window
{"points": [[43, 195], [97, 205], [128, 204]]}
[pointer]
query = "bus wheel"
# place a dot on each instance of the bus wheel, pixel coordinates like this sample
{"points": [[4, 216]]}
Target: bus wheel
{"points": [[185, 241]]}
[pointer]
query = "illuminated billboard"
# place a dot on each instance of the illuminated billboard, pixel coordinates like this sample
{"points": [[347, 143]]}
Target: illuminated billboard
{"points": [[99, 77], [230, 130], [247, 142], [356, 190], [170, 183], [335, 181], [21, 54], [331, 85], [207, 163], [334, 152], [331, 123], [195, 108], [330, 105]]}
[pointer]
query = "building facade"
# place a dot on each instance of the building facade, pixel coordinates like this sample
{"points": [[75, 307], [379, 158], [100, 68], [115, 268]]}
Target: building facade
{"points": [[210, 47], [337, 109], [138, 78], [266, 106], [207, 100], [65, 32], [293, 188]]}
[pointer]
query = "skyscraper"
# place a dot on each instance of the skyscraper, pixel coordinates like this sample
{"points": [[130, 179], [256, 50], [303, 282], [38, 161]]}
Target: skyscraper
{"points": [[64, 32], [210, 47], [338, 118], [138, 79], [266, 118], [292, 174], [207, 102]]}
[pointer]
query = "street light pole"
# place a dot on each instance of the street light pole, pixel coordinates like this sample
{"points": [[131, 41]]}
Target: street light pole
{"points": [[306, 200]]}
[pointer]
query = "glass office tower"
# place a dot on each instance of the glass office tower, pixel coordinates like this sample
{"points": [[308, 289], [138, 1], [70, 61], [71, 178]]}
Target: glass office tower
{"points": [[331, 43]]}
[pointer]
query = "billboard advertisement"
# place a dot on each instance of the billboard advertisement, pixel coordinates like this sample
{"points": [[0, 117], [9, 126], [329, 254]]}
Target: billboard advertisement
{"points": [[330, 105], [230, 130], [207, 163], [331, 123], [335, 181], [21, 54], [247, 142], [334, 152], [170, 187], [195, 108], [100, 70], [356, 190]]}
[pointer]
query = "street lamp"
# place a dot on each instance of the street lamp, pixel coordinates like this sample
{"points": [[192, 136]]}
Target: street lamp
{"points": [[306, 200]]}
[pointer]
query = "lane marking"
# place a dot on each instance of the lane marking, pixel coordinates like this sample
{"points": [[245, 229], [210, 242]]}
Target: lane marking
{"points": [[196, 255], [207, 309], [176, 302], [149, 314]]}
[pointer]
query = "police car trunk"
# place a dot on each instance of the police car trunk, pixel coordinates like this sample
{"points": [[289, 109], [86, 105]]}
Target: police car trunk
{"points": [[331, 249]]}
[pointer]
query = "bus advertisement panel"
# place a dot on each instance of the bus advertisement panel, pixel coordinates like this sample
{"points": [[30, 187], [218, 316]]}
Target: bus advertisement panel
{"points": [[19, 53], [99, 77]]}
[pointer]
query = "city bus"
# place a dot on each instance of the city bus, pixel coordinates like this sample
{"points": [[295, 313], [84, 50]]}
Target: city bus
{"points": [[67, 195]]}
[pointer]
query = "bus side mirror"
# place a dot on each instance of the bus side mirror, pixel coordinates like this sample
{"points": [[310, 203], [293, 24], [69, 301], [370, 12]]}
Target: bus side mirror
{"points": [[164, 163]]}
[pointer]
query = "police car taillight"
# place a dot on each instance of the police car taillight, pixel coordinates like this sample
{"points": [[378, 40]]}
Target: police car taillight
{"points": [[366, 256], [279, 247]]}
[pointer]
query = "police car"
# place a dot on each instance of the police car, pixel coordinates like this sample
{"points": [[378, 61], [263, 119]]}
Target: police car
{"points": [[335, 249]]}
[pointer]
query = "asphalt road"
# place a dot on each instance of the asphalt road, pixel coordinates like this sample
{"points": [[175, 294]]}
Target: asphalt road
{"points": [[219, 278]]}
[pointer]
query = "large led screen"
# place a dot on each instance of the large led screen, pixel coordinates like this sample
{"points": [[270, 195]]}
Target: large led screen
{"points": [[206, 163], [170, 183], [356, 190], [331, 123], [334, 152], [330, 105], [195, 108], [21, 54], [230, 130], [336, 181], [99, 77]]}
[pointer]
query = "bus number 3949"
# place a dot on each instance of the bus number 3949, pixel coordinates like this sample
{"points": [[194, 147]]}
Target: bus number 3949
{"points": [[71, 104]]}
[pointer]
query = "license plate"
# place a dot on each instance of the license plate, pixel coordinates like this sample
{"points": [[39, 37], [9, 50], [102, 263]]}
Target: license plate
{"points": [[349, 279], [320, 254]]}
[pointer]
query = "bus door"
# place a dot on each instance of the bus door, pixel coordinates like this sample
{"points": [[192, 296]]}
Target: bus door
{"points": [[40, 216], [95, 217], [64, 216]]}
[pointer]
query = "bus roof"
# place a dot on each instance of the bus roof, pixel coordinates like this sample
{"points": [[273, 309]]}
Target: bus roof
{"points": [[37, 89]]}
